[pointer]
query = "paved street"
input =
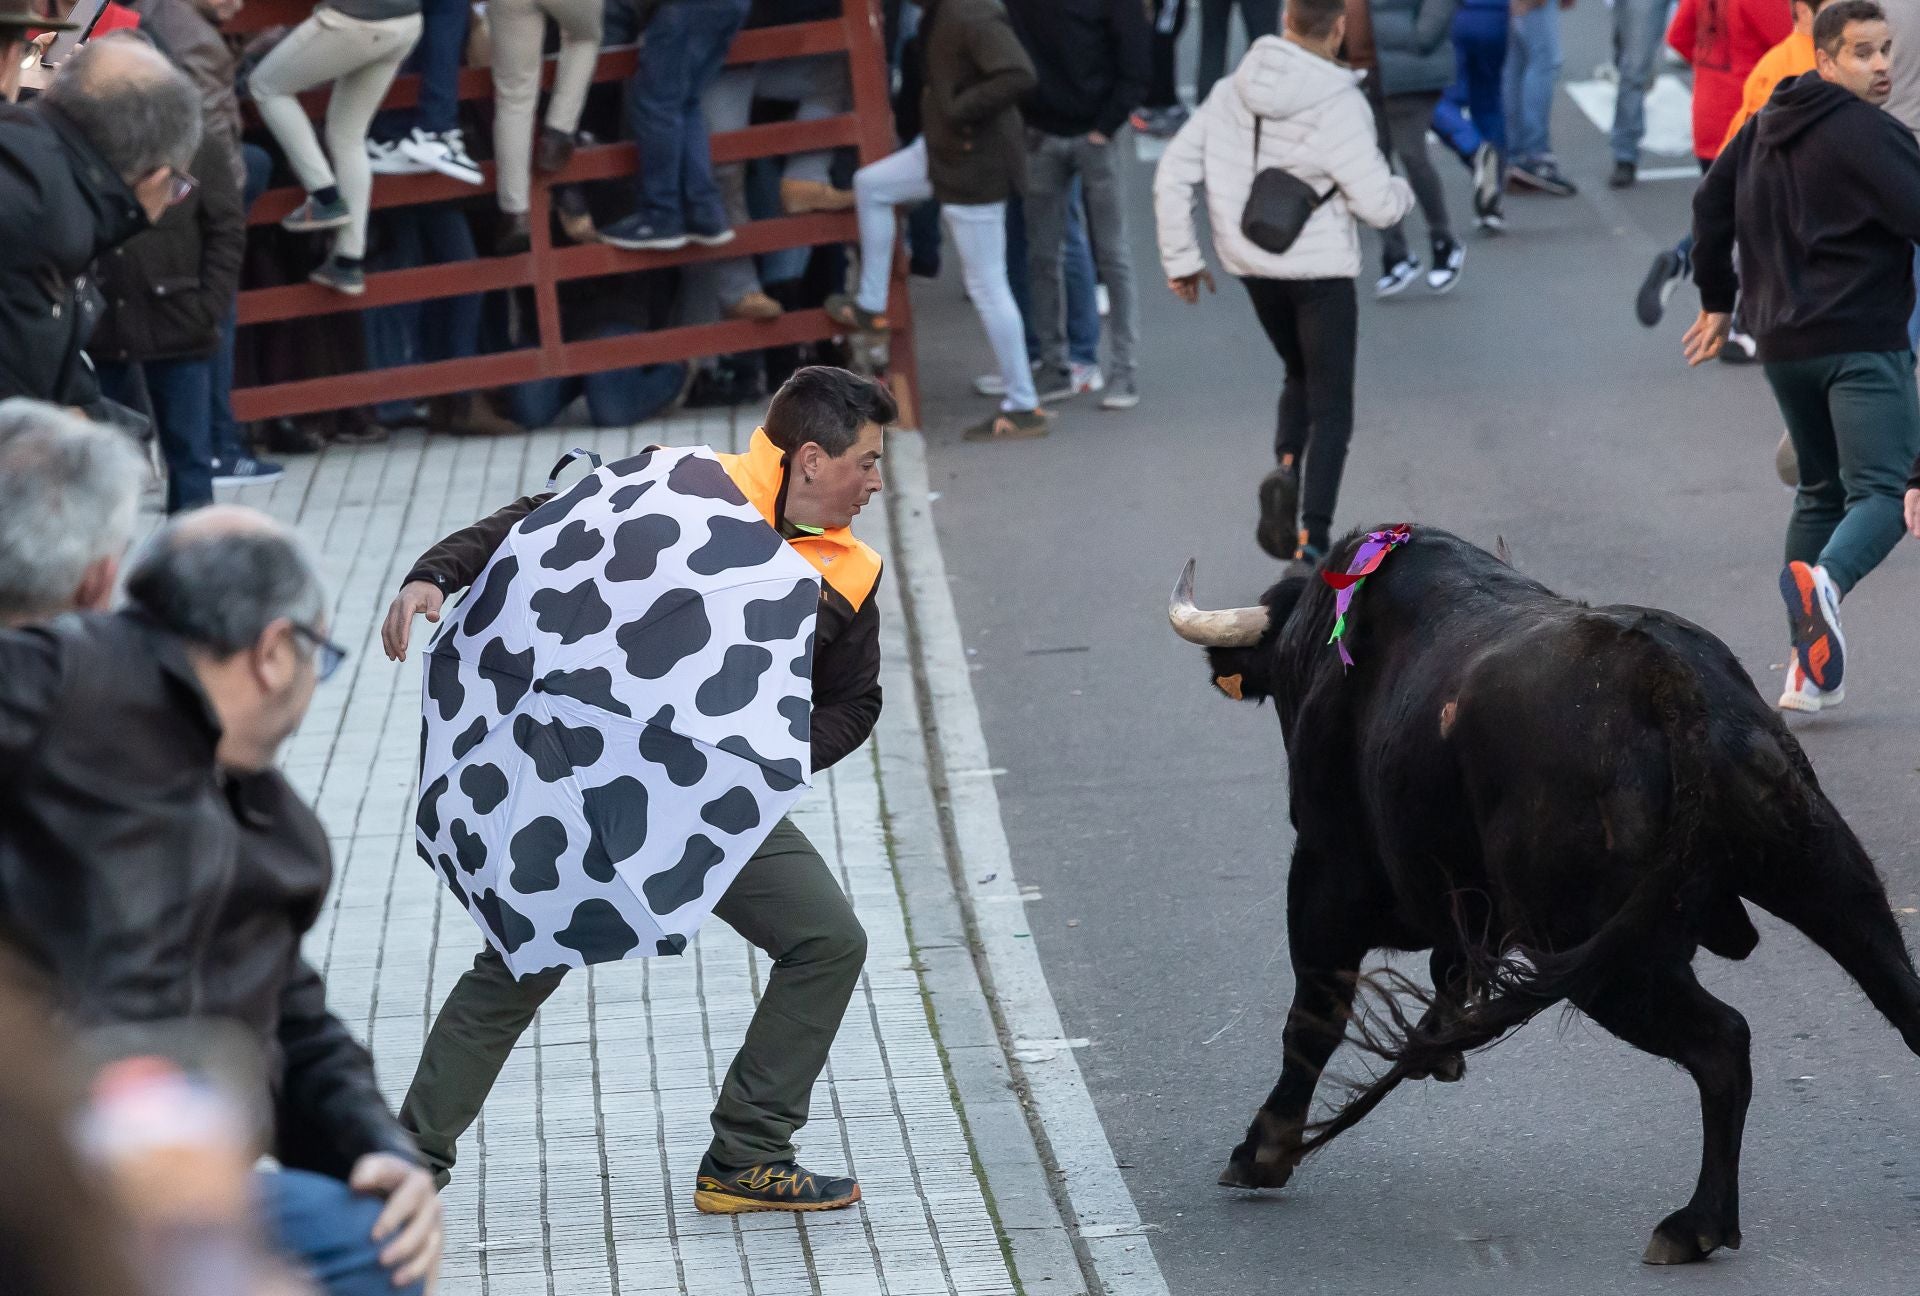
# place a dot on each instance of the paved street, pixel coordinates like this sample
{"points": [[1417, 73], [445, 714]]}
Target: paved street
{"points": [[1148, 814], [578, 1179]]}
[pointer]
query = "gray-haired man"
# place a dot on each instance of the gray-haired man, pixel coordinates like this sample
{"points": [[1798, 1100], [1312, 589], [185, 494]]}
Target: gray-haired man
{"points": [[69, 495], [162, 872], [83, 168]]}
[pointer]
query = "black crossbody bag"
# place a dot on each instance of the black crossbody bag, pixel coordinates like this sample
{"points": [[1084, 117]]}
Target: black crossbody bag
{"points": [[1279, 204]]}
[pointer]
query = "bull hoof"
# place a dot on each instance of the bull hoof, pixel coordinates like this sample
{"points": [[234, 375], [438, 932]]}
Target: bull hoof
{"points": [[1249, 1171], [1682, 1239]]}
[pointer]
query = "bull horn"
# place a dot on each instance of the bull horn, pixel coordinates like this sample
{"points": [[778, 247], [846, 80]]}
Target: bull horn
{"points": [[1231, 628]]}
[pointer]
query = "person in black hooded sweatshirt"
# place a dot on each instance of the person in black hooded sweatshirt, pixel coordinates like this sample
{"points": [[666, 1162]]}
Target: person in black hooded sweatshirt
{"points": [[1822, 191]]}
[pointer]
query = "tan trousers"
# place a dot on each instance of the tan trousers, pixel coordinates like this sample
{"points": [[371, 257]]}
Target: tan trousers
{"points": [[359, 58], [519, 35]]}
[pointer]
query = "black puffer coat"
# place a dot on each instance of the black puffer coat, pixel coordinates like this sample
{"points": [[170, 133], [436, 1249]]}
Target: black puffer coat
{"points": [[60, 208]]}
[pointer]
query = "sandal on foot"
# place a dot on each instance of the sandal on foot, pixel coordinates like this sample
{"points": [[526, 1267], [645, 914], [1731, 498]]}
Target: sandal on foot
{"points": [[848, 313], [1011, 425]]}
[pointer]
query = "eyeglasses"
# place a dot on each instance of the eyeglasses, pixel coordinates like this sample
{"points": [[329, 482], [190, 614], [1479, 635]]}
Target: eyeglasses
{"points": [[327, 655], [180, 187]]}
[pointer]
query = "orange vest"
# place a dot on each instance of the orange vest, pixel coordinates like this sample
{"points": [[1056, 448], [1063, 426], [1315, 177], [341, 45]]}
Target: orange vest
{"points": [[847, 565]]}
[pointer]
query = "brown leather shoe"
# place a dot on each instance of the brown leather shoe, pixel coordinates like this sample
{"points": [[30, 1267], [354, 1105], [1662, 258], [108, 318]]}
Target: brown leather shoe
{"points": [[801, 196], [469, 414], [756, 305], [552, 151]]}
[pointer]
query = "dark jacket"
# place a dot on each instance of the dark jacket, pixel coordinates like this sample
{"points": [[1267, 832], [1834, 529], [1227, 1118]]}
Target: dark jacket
{"points": [[167, 289], [1822, 191], [976, 75], [151, 887], [60, 208], [846, 655], [1411, 48], [1092, 59], [778, 13], [197, 48]]}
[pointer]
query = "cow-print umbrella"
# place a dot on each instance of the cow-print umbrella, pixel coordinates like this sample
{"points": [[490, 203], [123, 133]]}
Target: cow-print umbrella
{"points": [[617, 714]]}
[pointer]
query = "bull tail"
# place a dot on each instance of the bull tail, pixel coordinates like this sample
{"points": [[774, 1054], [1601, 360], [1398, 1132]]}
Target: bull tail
{"points": [[1825, 884], [1520, 983]]}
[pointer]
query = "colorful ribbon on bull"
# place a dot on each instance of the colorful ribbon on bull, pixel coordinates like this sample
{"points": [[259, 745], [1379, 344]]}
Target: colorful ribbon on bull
{"points": [[1366, 560]]}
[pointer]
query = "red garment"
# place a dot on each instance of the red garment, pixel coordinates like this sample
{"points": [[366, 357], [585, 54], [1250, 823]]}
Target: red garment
{"points": [[1723, 39], [114, 18]]}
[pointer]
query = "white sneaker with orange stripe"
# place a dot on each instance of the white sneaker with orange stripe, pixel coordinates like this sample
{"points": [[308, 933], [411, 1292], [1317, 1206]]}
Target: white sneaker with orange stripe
{"points": [[1802, 694], [1813, 619]]}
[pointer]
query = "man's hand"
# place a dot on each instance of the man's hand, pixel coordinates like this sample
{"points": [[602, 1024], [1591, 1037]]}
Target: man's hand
{"points": [[415, 597], [410, 1225], [1187, 287], [1708, 334], [1098, 140], [1913, 513]]}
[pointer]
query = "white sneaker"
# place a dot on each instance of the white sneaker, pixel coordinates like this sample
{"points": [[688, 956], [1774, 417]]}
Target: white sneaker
{"points": [[1803, 694], [1813, 620], [1397, 277], [1076, 380], [384, 158], [442, 151]]}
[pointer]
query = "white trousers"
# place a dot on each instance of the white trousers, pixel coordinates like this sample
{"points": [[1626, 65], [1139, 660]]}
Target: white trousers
{"points": [[519, 38], [979, 233], [360, 59]]}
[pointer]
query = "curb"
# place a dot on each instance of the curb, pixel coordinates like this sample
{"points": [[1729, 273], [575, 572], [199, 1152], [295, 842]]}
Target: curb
{"points": [[1051, 1173]]}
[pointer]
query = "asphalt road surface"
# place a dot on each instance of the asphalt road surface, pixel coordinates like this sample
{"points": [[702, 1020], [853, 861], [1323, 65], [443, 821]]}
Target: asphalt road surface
{"points": [[1150, 811]]}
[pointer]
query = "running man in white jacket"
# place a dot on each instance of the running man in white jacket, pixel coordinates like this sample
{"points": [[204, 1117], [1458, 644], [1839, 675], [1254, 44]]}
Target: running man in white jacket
{"points": [[1316, 124]]}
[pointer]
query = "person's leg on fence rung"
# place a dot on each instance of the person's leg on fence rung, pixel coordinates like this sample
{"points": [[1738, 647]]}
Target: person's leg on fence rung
{"points": [[878, 189], [356, 97]]}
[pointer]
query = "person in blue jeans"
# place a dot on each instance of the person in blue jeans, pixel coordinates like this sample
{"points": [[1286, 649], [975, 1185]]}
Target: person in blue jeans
{"points": [[427, 137], [329, 1228], [1638, 26], [1532, 73], [1480, 54], [233, 462], [686, 43], [1082, 292]]}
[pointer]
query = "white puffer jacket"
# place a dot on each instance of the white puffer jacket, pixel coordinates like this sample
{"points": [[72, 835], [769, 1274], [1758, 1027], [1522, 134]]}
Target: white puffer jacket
{"points": [[1318, 125]]}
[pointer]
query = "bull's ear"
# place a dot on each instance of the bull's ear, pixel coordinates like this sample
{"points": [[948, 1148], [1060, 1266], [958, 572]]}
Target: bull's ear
{"points": [[1284, 597]]}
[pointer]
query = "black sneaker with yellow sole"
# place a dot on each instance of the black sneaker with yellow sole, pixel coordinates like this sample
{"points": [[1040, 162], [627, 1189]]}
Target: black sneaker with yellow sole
{"points": [[777, 1186]]}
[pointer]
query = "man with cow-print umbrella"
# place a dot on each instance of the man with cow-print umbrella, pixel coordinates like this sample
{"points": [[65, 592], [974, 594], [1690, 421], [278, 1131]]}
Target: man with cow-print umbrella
{"points": [[808, 471]]}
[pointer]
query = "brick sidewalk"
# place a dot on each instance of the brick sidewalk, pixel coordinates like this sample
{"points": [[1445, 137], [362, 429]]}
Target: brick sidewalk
{"points": [[578, 1178]]}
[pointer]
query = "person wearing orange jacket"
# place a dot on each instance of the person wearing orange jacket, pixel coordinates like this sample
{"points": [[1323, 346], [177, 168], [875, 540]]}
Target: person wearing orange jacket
{"points": [[1789, 58], [1723, 40]]}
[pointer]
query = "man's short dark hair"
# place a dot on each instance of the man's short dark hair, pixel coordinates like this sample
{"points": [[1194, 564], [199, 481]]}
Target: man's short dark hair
{"points": [[220, 590], [1314, 18], [137, 110], [1830, 28], [828, 407]]}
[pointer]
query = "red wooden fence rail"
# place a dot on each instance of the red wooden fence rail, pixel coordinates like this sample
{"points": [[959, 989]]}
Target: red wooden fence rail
{"points": [[869, 127]]}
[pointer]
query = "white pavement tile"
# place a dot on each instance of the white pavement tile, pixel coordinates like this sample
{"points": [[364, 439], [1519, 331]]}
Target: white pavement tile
{"points": [[578, 1179]]}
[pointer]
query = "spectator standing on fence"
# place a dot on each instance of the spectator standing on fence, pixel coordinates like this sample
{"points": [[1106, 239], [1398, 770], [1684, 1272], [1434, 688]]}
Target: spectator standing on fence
{"points": [[107, 146], [160, 872], [69, 499], [519, 30], [427, 137], [1314, 122], [1532, 75], [1416, 63], [1259, 17], [356, 46], [971, 155], [1091, 61], [678, 200]]}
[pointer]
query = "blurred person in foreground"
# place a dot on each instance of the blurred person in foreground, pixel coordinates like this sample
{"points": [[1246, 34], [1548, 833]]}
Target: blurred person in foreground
{"points": [[1821, 189], [69, 499], [162, 873], [90, 163]]}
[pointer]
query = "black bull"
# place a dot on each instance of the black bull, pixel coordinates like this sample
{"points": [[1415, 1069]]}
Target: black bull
{"points": [[1563, 803]]}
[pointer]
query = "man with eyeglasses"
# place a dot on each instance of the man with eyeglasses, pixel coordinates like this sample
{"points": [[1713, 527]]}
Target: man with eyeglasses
{"points": [[162, 873], [91, 162]]}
